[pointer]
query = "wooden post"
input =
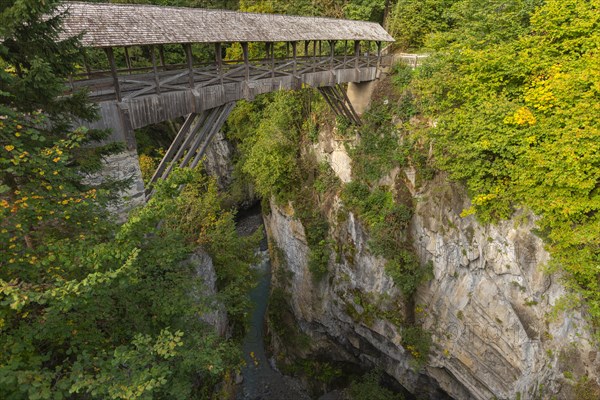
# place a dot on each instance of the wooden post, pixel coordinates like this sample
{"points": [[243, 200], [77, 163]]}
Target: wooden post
{"points": [[295, 53], [314, 56], [155, 69], [272, 60], [320, 48], [86, 64], [219, 59], [246, 61], [161, 54], [345, 52], [287, 49], [332, 58], [128, 60], [113, 70], [190, 63], [357, 54], [332, 51], [306, 44], [378, 55]]}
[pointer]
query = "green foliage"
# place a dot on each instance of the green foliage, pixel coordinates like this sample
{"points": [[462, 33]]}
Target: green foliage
{"points": [[406, 271], [89, 309], [387, 138], [319, 371], [417, 341], [412, 20], [365, 10], [87, 305], [401, 74], [269, 136], [378, 150], [587, 389], [326, 179], [369, 388], [316, 228], [514, 91], [271, 152], [202, 218]]}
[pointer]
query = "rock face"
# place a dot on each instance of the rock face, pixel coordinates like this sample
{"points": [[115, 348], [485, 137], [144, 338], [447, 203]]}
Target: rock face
{"points": [[488, 306], [122, 166], [205, 269], [218, 162]]}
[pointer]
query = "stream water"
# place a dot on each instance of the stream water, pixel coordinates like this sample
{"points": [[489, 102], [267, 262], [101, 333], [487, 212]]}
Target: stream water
{"points": [[260, 380]]}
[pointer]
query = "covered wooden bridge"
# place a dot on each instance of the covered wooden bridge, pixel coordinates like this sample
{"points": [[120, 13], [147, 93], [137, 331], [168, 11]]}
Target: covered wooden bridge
{"points": [[292, 52]]}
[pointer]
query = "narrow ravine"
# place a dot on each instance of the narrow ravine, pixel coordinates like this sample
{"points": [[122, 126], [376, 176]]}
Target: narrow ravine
{"points": [[260, 380]]}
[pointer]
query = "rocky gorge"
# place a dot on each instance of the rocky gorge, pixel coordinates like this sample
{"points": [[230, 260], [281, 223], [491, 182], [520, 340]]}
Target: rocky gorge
{"points": [[492, 309]]}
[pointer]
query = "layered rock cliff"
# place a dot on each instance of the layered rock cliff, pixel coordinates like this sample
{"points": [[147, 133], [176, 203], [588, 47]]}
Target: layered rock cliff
{"points": [[490, 307]]}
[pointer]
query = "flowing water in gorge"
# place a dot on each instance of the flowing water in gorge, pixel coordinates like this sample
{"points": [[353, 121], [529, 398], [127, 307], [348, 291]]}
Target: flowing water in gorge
{"points": [[260, 380]]}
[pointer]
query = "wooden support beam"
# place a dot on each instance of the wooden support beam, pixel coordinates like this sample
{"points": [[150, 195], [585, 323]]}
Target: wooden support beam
{"points": [[155, 69], [306, 45], [287, 49], [345, 52], [198, 123], [216, 127], [272, 60], [161, 55], [190, 63], [350, 106], [331, 59], [329, 99], [295, 54], [335, 98], [357, 54], [314, 56], [86, 64], [378, 55], [346, 105], [219, 59], [113, 70], [199, 137], [320, 48], [246, 60], [181, 135], [331, 53], [128, 60]]}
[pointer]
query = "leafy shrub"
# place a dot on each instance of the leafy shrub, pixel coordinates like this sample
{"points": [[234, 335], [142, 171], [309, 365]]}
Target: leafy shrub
{"points": [[406, 271], [418, 342]]}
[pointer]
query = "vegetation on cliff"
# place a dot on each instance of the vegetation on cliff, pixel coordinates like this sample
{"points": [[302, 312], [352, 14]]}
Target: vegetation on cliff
{"points": [[515, 91]]}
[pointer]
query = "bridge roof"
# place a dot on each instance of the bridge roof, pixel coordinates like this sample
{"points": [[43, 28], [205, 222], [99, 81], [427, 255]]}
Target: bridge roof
{"points": [[112, 25]]}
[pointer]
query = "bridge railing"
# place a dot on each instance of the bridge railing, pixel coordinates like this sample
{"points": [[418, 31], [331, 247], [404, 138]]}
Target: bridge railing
{"points": [[136, 82]]}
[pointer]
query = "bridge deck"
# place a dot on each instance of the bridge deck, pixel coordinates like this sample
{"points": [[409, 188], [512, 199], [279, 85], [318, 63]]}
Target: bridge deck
{"points": [[139, 82]]}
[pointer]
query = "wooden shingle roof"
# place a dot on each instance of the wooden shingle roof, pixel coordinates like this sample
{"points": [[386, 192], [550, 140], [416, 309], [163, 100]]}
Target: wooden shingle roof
{"points": [[108, 25]]}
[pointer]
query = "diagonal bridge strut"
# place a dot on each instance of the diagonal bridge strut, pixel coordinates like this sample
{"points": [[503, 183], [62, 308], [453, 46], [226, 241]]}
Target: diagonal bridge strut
{"points": [[337, 99], [191, 142]]}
